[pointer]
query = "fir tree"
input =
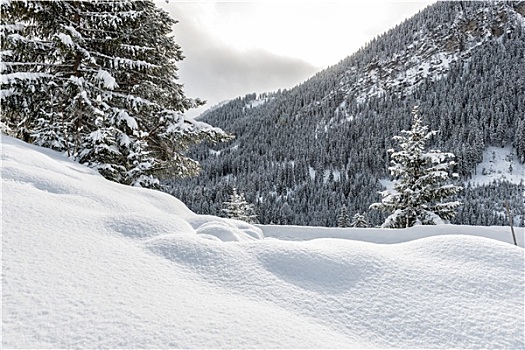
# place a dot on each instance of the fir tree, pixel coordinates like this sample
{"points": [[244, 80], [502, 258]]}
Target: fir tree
{"points": [[343, 220], [23, 70], [106, 87], [359, 220], [239, 209], [422, 181], [519, 140]]}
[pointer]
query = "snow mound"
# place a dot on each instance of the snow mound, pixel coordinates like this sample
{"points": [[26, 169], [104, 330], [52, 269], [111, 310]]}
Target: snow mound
{"points": [[225, 230], [87, 263], [130, 212]]}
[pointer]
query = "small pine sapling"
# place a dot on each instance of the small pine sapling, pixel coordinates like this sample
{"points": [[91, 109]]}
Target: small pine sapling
{"points": [[359, 220], [343, 220], [239, 209]]}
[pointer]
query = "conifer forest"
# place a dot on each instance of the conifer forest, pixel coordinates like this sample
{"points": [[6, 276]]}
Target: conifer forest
{"points": [[98, 82], [302, 154]]}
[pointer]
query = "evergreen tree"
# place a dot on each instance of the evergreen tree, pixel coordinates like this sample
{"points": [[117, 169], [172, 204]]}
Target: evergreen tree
{"points": [[422, 181], [519, 140], [23, 70], [239, 209], [343, 220], [106, 84], [359, 220]]}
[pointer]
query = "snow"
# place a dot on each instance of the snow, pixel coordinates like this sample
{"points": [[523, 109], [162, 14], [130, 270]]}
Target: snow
{"points": [[12, 77], [107, 80], [215, 153], [74, 32], [426, 58], [6, 93], [311, 172], [499, 163], [257, 102], [133, 64], [326, 174], [391, 236], [130, 121], [388, 184], [87, 263], [66, 40]]}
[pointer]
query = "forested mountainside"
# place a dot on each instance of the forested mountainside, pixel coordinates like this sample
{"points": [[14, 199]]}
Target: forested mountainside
{"points": [[300, 154]]}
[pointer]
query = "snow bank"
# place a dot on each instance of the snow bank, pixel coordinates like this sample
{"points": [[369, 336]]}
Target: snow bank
{"points": [[91, 264], [390, 236]]}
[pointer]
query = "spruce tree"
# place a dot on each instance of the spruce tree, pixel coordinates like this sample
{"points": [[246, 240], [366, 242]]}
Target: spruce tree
{"points": [[239, 209], [359, 220], [422, 184], [107, 90], [24, 62], [519, 140], [343, 220]]}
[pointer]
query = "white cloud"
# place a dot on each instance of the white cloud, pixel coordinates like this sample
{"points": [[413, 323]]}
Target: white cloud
{"points": [[234, 48]]}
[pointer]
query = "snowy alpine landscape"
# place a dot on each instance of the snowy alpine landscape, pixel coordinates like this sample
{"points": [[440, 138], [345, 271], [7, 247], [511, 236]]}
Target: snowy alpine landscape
{"points": [[87, 263], [378, 204]]}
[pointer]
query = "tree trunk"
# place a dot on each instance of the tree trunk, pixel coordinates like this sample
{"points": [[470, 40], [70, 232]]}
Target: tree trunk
{"points": [[510, 222]]}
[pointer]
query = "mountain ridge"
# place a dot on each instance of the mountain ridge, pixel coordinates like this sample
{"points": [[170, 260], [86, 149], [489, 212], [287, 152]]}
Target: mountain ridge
{"points": [[458, 61]]}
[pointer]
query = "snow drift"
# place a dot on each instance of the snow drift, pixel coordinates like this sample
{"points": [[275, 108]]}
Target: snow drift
{"points": [[88, 263]]}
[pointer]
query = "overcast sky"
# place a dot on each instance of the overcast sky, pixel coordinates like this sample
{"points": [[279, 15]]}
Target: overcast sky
{"points": [[235, 48]]}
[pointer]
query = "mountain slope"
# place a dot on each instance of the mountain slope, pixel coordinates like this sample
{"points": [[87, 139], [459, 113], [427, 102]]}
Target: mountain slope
{"points": [[300, 154], [87, 263]]}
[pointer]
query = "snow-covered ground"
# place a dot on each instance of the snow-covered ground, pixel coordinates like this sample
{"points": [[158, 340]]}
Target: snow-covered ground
{"points": [[87, 263], [499, 163], [392, 236]]}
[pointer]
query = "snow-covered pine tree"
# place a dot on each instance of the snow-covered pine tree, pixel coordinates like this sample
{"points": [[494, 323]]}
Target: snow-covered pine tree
{"points": [[239, 209], [422, 184], [343, 220], [111, 97], [519, 140], [359, 220], [23, 70]]}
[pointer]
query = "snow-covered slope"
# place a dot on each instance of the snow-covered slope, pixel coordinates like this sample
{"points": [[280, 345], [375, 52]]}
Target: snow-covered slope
{"points": [[499, 163], [430, 55], [459, 61], [87, 263]]}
